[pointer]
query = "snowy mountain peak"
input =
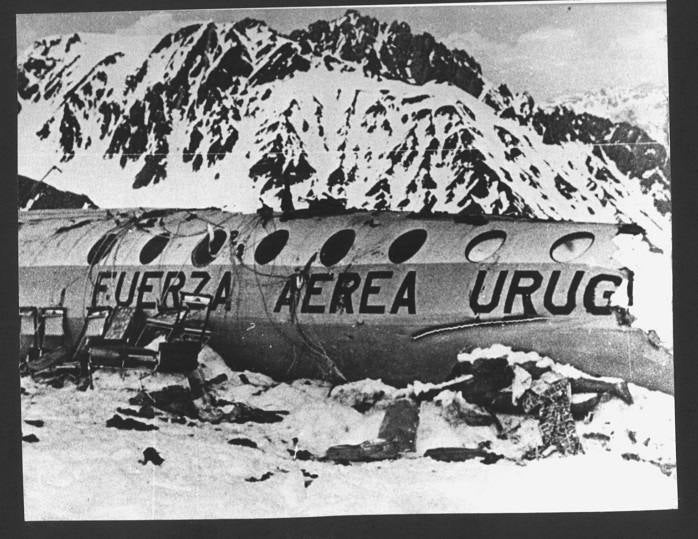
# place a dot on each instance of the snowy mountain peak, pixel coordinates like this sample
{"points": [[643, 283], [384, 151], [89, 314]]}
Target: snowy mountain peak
{"points": [[354, 109]]}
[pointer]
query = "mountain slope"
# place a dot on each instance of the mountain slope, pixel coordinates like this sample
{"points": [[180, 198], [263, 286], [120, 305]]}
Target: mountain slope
{"points": [[33, 195], [644, 106], [368, 112]]}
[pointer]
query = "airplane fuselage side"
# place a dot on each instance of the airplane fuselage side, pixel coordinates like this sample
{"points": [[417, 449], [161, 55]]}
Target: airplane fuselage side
{"points": [[281, 308]]}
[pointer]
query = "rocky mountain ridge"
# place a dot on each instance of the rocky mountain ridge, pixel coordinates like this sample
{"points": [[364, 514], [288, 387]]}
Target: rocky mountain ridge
{"points": [[352, 109], [34, 195], [645, 106]]}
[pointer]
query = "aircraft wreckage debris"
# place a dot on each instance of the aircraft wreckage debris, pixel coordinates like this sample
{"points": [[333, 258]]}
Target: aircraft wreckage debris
{"points": [[244, 442], [400, 424], [118, 422], [461, 454], [479, 391], [179, 401]]}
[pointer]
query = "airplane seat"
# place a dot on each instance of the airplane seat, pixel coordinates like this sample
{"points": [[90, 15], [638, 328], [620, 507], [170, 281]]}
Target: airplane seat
{"points": [[123, 325], [52, 333], [195, 325], [91, 333], [165, 323], [129, 336], [28, 333], [181, 350], [51, 350], [118, 346]]}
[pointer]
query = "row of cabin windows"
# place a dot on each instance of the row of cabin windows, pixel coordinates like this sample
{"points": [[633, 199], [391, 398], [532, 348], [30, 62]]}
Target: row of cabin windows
{"points": [[336, 247]]}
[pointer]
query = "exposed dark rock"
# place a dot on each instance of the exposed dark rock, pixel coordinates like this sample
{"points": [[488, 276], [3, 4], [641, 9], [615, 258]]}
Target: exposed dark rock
{"points": [[402, 55], [47, 197]]}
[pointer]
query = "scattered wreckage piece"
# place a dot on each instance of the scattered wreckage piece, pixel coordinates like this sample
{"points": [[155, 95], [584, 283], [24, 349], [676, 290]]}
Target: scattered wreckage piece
{"points": [[263, 477], [478, 391], [588, 385], [363, 395], [176, 400], [364, 452], [243, 442], [397, 435], [179, 401], [145, 411], [550, 400], [400, 424], [150, 454], [457, 409], [301, 454], [241, 413], [118, 422], [665, 467], [581, 410], [461, 454]]}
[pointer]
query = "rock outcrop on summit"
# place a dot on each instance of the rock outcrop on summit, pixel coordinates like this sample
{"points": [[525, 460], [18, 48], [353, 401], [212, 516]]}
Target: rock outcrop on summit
{"points": [[34, 195], [358, 110]]}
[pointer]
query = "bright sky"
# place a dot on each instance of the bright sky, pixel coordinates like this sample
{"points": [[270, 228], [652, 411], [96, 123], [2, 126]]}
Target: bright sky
{"points": [[546, 49]]}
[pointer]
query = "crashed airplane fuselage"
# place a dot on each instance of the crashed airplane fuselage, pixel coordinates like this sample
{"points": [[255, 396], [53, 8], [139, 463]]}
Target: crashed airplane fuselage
{"points": [[381, 295]]}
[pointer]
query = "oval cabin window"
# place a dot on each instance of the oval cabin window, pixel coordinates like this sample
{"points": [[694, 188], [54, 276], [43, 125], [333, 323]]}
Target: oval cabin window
{"points": [[485, 245], [270, 247], [406, 246], [208, 248], [154, 247], [336, 247], [571, 246], [102, 248]]}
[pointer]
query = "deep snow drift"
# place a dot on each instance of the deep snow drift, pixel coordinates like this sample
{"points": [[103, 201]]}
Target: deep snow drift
{"points": [[81, 469]]}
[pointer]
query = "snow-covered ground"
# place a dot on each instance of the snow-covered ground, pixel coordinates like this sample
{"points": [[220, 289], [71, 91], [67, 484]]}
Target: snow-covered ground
{"points": [[80, 469]]}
